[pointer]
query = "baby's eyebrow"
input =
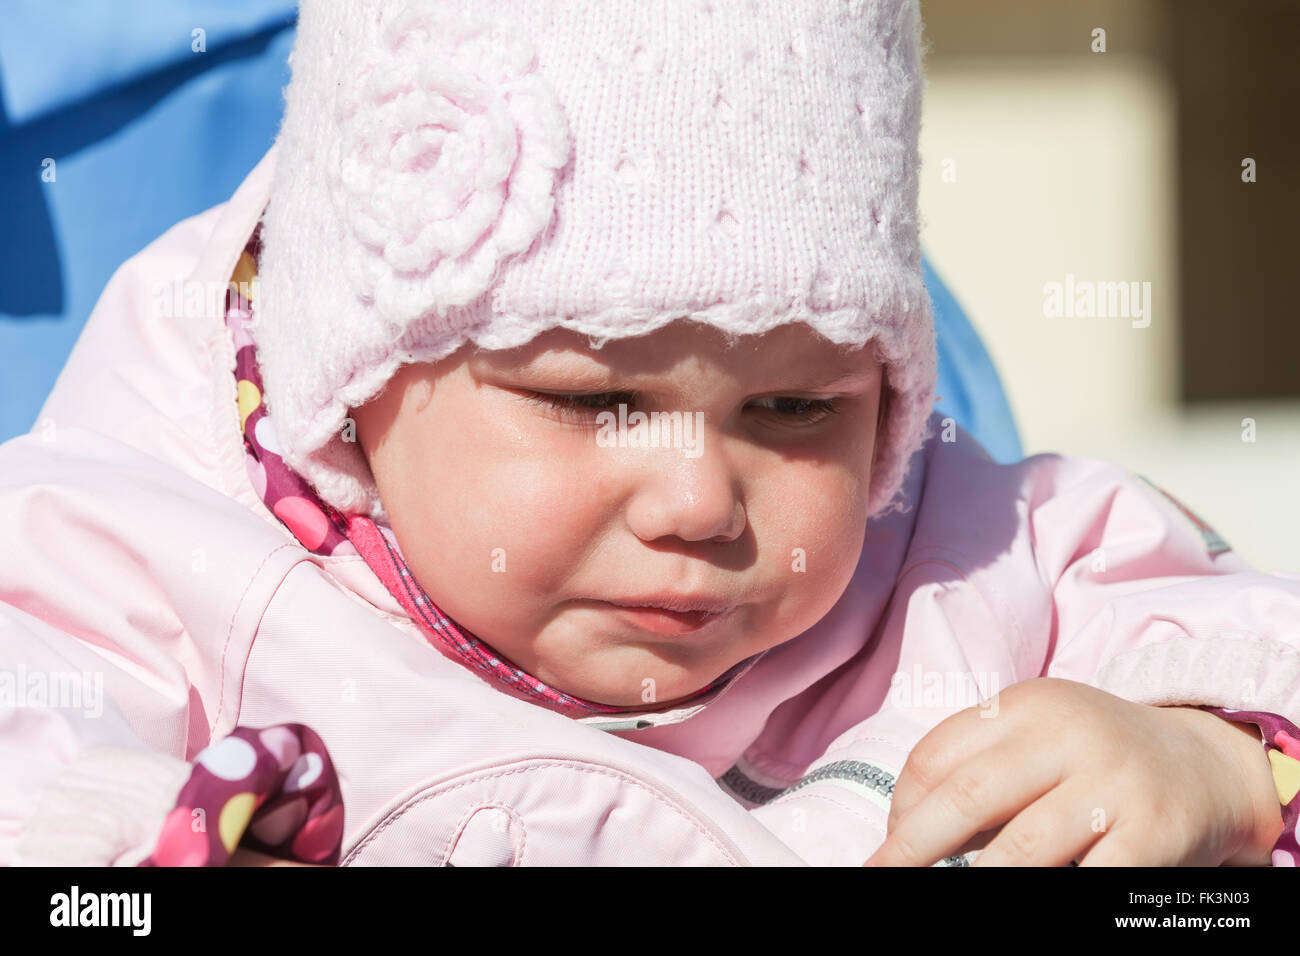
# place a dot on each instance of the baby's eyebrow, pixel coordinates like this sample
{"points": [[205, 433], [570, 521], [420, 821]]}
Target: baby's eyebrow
{"points": [[612, 381], [818, 377], [847, 376], [807, 375]]}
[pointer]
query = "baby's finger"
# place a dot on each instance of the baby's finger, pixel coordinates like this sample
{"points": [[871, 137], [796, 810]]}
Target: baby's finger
{"points": [[1055, 829], [953, 741], [1131, 843], [981, 793]]}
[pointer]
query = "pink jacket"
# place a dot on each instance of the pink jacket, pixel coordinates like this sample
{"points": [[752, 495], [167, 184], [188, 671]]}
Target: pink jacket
{"points": [[136, 555]]}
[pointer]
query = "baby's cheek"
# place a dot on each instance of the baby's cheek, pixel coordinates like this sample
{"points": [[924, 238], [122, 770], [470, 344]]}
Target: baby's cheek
{"points": [[822, 527], [535, 520]]}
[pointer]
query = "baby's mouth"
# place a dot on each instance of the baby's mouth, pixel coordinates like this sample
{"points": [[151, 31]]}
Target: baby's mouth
{"points": [[666, 621]]}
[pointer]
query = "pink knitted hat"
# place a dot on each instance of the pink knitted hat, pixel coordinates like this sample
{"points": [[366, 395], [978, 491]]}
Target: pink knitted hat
{"points": [[483, 171]]}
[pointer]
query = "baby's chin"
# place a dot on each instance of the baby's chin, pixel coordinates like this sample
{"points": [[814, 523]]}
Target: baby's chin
{"points": [[654, 696], [628, 678]]}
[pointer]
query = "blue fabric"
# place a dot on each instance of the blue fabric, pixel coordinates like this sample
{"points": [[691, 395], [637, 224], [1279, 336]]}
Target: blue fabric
{"points": [[969, 389], [145, 130]]}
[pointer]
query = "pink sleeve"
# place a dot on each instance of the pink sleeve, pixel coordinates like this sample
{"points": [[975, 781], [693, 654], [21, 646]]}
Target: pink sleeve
{"points": [[96, 709], [1151, 605], [78, 787]]}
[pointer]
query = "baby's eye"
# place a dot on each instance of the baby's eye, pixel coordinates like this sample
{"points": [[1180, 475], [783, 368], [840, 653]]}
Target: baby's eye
{"points": [[577, 405], [804, 410]]}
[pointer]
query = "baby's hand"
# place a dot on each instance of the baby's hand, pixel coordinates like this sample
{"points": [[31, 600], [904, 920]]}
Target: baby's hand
{"points": [[1084, 776]]}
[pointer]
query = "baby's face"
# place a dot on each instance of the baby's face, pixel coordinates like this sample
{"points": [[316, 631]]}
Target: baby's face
{"points": [[522, 521]]}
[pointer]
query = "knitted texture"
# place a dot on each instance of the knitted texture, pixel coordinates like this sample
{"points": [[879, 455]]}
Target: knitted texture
{"points": [[453, 172]]}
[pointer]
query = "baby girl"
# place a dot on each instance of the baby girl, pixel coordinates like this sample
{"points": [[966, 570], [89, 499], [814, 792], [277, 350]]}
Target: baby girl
{"points": [[561, 484]]}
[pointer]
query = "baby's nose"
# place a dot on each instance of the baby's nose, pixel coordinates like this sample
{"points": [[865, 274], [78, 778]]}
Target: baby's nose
{"points": [[693, 498]]}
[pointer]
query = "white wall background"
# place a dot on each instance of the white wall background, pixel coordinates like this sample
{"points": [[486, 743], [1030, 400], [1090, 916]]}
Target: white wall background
{"points": [[1064, 163]]}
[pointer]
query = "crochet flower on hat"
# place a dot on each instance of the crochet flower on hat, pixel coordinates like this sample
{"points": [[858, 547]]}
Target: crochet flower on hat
{"points": [[446, 158]]}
